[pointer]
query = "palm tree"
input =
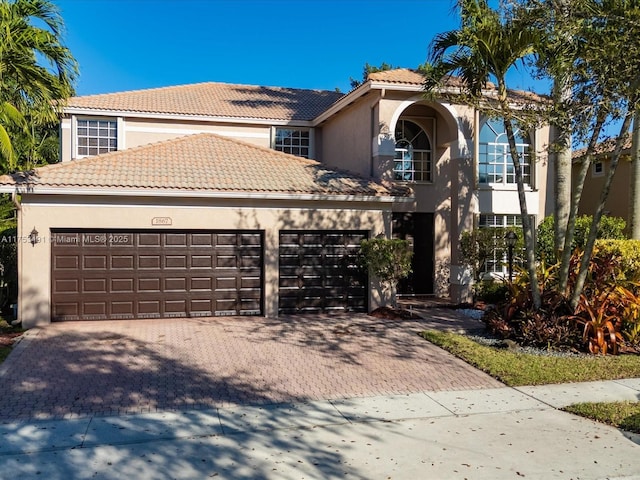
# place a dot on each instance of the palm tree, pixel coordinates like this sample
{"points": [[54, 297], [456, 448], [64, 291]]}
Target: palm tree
{"points": [[36, 70], [484, 49]]}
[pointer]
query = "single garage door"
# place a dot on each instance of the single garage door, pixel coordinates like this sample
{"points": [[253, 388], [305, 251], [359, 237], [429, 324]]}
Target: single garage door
{"points": [[100, 275], [320, 272]]}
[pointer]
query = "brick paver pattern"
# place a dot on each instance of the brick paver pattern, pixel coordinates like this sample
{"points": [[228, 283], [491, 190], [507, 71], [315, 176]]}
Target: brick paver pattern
{"points": [[74, 369]]}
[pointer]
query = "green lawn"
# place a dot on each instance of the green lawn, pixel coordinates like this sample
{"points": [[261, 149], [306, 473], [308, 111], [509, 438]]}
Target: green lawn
{"points": [[517, 369], [4, 352], [625, 415]]}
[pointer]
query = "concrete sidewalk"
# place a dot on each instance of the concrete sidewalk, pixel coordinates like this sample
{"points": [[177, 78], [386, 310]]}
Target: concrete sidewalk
{"points": [[495, 433]]}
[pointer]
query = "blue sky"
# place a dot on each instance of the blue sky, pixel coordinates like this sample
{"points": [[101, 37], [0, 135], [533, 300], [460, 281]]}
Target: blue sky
{"points": [[136, 44]]}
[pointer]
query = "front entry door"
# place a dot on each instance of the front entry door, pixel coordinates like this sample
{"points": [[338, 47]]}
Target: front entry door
{"points": [[418, 229]]}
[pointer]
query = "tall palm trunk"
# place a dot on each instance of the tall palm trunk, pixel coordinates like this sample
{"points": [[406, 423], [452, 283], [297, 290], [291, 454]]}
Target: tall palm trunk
{"points": [[562, 172], [563, 274], [595, 224], [527, 224]]}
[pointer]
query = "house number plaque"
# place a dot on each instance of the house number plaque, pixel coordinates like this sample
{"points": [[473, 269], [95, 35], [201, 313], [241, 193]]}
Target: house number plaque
{"points": [[161, 221]]}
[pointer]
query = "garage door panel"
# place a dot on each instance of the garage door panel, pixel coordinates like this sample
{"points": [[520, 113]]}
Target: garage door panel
{"points": [[175, 284], [149, 239], [201, 261], [148, 285], [66, 286], [149, 262], [318, 271], [95, 309], [101, 275], [97, 285], [175, 261], [67, 262], [175, 240], [226, 261], [94, 262], [68, 311], [122, 262], [122, 285]]}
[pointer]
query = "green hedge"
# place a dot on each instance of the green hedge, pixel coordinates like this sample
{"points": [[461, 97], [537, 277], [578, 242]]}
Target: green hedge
{"points": [[611, 228], [627, 250]]}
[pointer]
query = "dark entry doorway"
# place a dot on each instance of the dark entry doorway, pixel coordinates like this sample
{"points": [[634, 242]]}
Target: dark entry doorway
{"points": [[418, 229]]}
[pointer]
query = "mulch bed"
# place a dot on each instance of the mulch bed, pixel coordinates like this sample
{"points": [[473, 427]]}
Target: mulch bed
{"points": [[7, 338]]}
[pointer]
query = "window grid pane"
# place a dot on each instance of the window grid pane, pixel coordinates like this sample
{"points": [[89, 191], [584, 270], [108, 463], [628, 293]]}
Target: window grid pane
{"points": [[494, 157], [95, 137], [498, 263], [294, 142], [412, 162]]}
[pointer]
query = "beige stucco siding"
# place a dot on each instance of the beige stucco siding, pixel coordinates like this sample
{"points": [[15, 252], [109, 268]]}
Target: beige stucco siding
{"points": [[48, 213], [134, 132], [346, 138], [618, 203]]}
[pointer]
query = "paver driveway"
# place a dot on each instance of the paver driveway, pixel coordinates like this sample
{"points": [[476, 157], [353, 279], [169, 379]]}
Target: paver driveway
{"points": [[81, 368]]}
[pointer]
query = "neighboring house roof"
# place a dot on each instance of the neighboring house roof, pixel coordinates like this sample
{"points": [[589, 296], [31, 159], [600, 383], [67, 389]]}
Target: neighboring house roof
{"points": [[215, 99], [603, 148], [203, 164]]}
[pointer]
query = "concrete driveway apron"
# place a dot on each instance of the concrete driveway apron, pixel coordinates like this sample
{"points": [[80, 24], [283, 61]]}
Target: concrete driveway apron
{"points": [[73, 369]]}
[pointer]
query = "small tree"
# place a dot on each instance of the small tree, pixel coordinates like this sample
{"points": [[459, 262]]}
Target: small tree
{"points": [[387, 259]]}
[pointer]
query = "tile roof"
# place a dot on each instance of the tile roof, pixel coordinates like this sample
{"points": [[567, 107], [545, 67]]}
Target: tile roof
{"points": [[398, 75], [216, 99], [414, 77], [604, 148], [197, 163]]}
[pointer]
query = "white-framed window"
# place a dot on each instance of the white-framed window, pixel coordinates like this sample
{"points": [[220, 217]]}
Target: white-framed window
{"points": [[597, 169], [295, 141], [412, 162], [495, 166], [96, 136], [497, 261]]}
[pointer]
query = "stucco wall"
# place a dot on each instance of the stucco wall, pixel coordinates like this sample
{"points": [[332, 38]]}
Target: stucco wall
{"points": [[133, 132], [618, 203], [346, 138], [45, 213]]}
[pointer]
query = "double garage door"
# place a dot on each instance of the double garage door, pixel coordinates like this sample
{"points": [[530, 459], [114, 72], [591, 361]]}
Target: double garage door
{"points": [[116, 274], [155, 274]]}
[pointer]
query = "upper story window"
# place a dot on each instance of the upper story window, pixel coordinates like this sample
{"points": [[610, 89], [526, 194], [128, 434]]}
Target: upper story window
{"points": [[597, 169], [495, 165], [96, 136], [412, 162], [296, 141]]}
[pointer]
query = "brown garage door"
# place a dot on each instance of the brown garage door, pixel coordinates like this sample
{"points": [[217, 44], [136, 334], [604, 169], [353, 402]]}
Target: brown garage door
{"points": [[99, 275], [319, 272]]}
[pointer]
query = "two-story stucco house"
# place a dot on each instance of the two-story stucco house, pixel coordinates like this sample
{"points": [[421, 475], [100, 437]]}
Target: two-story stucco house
{"points": [[218, 199]]}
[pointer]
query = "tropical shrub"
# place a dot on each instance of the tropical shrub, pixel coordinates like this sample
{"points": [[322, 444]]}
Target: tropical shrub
{"points": [[387, 259], [491, 291], [549, 327], [606, 319], [8, 267], [608, 304], [628, 251], [611, 228]]}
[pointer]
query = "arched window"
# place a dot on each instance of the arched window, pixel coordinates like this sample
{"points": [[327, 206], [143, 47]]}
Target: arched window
{"points": [[494, 160], [412, 162]]}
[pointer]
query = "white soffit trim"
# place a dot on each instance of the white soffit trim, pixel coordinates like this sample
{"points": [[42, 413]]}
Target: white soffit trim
{"points": [[201, 194], [93, 112]]}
